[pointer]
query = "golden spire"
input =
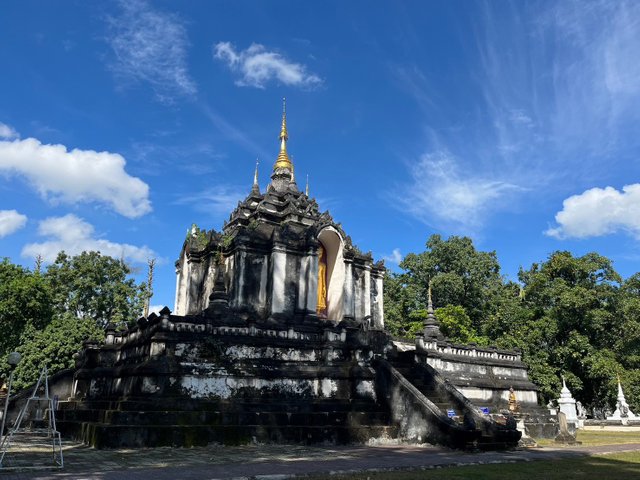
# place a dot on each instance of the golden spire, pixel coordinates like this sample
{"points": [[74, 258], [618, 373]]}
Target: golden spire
{"points": [[255, 188], [283, 160], [255, 175]]}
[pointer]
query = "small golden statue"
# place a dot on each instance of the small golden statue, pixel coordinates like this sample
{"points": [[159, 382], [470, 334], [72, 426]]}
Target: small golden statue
{"points": [[322, 282], [513, 401], [3, 390]]}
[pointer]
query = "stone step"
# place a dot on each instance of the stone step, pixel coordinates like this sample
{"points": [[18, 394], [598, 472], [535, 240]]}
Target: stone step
{"points": [[119, 417], [132, 436], [255, 405]]}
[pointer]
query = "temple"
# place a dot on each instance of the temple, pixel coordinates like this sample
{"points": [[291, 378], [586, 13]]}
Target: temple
{"points": [[277, 335], [281, 259]]}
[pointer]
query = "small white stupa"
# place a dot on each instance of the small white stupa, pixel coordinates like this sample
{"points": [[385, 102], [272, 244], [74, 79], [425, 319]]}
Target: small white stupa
{"points": [[567, 404], [623, 412]]}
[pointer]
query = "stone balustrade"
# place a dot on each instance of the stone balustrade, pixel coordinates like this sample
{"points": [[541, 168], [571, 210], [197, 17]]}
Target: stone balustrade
{"points": [[470, 351]]}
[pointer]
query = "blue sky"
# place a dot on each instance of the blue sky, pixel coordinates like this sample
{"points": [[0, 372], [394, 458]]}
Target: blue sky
{"points": [[516, 123]]}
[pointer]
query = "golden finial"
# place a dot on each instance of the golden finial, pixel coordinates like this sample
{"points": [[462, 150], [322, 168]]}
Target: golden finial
{"points": [[256, 188], [283, 160], [283, 129], [306, 189]]}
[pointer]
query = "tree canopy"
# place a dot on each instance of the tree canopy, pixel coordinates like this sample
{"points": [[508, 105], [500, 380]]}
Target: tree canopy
{"points": [[571, 316], [47, 315]]}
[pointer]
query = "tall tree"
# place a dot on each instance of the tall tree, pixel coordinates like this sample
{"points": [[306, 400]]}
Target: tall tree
{"points": [[459, 275], [46, 316], [567, 321], [25, 300], [91, 285], [54, 346]]}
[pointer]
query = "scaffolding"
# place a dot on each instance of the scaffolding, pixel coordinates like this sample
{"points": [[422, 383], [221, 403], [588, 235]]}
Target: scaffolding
{"points": [[34, 441]]}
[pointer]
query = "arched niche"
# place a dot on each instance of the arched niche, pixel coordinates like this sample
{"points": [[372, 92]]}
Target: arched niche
{"points": [[333, 245]]}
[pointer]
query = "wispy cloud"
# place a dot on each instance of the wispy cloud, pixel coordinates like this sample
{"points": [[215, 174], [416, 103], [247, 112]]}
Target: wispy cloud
{"points": [[218, 200], [73, 235], [197, 157], [11, 221], [234, 133], [599, 211], [442, 193], [555, 106], [72, 176], [258, 66], [150, 46]]}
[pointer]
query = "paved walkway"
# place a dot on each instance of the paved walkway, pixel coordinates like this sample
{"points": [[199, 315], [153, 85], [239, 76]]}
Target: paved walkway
{"points": [[274, 462]]}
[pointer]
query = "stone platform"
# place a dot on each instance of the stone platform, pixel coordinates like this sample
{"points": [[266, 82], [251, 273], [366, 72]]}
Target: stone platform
{"points": [[187, 381]]}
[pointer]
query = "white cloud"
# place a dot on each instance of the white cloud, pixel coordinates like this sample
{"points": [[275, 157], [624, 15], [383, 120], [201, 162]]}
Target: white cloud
{"points": [[11, 221], [599, 211], [258, 66], [150, 46], [217, 200], [440, 192], [395, 257], [73, 235], [7, 132], [71, 176]]}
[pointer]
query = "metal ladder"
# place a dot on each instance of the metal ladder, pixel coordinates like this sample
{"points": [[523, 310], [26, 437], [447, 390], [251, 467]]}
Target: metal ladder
{"points": [[25, 440]]}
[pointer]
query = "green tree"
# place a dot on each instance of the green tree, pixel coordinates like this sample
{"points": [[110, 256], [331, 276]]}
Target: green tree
{"points": [[54, 346], [25, 300], [456, 325], [95, 286], [459, 275], [566, 320], [400, 303], [48, 316]]}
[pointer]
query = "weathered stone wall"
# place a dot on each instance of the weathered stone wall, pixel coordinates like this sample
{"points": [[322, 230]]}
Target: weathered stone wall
{"points": [[483, 375], [194, 358]]}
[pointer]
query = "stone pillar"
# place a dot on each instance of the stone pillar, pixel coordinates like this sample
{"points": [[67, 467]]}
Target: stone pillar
{"points": [[367, 291], [303, 284], [176, 304], [349, 300], [279, 262], [239, 278], [264, 280], [377, 299], [312, 282], [194, 294]]}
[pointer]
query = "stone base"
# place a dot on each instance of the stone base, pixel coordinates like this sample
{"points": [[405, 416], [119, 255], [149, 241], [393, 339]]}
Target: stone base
{"points": [[567, 439]]}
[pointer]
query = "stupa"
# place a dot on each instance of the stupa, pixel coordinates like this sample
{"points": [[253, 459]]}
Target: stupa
{"points": [[277, 335], [622, 412]]}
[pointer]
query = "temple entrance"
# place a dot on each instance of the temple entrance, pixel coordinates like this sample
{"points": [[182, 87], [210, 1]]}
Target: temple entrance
{"points": [[330, 275], [321, 308]]}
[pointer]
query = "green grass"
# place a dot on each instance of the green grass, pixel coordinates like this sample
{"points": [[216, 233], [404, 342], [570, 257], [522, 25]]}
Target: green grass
{"points": [[620, 466], [592, 438]]}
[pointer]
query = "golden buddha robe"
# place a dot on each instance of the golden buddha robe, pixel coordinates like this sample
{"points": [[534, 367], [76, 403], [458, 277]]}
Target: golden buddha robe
{"points": [[322, 281], [513, 401]]}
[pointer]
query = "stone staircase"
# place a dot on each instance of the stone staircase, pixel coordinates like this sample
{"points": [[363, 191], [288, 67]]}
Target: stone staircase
{"points": [[141, 422], [415, 386]]}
